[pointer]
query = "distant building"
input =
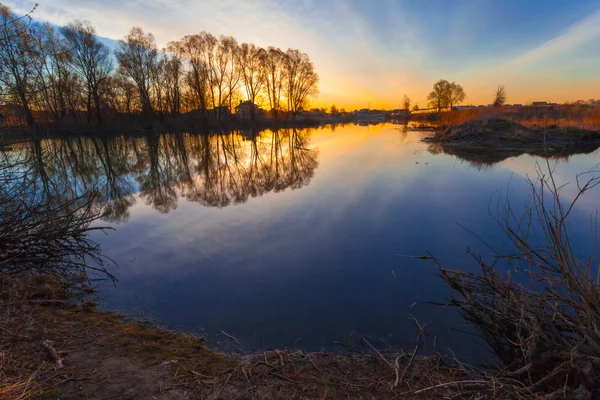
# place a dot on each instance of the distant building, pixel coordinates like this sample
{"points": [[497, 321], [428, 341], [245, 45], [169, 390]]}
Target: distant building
{"points": [[246, 109], [539, 103]]}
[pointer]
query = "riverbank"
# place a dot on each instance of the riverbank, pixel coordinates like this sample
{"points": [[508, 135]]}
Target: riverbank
{"points": [[183, 123], [119, 126], [55, 346]]}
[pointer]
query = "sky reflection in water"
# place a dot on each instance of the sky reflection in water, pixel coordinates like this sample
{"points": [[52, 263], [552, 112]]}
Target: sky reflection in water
{"points": [[290, 239]]}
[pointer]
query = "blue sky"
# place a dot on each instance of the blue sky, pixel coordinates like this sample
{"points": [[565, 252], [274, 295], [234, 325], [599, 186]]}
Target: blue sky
{"points": [[378, 50]]}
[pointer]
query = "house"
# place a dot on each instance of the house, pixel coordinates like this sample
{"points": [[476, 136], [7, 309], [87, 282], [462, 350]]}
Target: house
{"points": [[246, 109], [539, 103]]}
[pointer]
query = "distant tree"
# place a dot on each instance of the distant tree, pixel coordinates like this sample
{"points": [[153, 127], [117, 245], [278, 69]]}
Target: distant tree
{"points": [[500, 96], [416, 107], [406, 104], [91, 59], [439, 96], [456, 95], [334, 110]]}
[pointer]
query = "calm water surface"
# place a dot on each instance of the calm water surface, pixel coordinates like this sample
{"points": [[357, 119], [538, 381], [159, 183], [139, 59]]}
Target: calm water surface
{"points": [[289, 238]]}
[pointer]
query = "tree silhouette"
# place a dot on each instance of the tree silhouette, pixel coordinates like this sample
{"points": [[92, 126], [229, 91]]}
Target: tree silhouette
{"points": [[500, 96], [438, 98], [67, 76], [91, 59]]}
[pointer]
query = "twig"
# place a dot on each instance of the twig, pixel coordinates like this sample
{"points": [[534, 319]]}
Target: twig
{"points": [[399, 381], [380, 355], [230, 337], [470, 382]]}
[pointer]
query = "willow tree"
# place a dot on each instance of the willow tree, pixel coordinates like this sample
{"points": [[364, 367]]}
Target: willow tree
{"points": [[91, 59], [138, 60], [300, 80]]}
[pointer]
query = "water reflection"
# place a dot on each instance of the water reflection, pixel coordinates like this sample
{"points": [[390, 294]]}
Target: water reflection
{"points": [[303, 268], [482, 158], [215, 170]]}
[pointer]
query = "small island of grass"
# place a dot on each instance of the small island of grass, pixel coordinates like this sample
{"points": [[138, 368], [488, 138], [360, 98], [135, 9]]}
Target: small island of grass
{"points": [[503, 134]]}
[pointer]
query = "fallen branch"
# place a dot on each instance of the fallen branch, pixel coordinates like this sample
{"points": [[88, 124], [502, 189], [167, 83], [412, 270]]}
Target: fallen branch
{"points": [[51, 351]]}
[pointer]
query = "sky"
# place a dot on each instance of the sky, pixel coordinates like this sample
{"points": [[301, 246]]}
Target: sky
{"points": [[372, 52]]}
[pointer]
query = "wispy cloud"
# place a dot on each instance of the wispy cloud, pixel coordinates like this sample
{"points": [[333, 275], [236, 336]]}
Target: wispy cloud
{"points": [[375, 50], [573, 39]]}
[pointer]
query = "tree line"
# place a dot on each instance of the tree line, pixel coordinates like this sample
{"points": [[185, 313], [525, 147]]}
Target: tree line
{"points": [[69, 75]]}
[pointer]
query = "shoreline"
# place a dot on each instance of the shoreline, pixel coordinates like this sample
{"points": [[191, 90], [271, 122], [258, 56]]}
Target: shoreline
{"points": [[189, 125], [64, 349]]}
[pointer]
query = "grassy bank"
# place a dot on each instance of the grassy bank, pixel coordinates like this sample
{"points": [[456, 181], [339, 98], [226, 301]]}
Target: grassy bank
{"points": [[55, 346]]}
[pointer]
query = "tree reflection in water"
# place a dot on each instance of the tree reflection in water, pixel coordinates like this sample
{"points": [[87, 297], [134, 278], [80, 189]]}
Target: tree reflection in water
{"points": [[215, 170]]}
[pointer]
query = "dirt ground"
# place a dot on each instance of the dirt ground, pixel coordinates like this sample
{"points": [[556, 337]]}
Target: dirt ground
{"points": [[53, 349]]}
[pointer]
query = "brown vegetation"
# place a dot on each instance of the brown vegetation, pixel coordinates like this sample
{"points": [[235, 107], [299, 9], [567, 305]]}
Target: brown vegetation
{"points": [[577, 115], [537, 305], [500, 132], [102, 355]]}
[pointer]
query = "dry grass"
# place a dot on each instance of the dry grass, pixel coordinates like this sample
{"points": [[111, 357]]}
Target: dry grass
{"points": [[538, 304], [575, 116]]}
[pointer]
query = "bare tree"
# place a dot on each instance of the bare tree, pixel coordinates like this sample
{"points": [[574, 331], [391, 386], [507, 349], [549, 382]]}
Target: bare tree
{"points": [[273, 76], [190, 49], [91, 59], [500, 96], [173, 73], [138, 58], [251, 63], [54, 73], [233, 73], [300, 80], [19, 60], [406, 105]]}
